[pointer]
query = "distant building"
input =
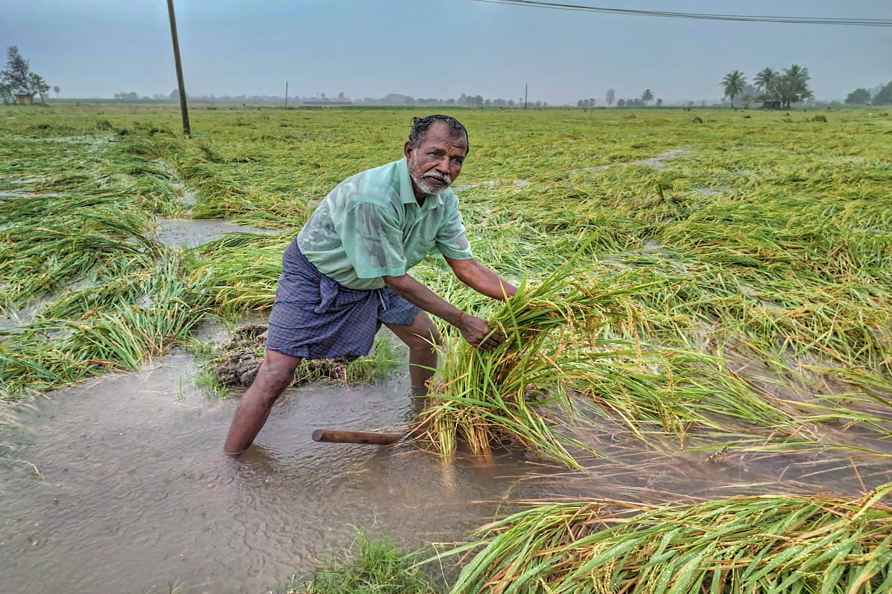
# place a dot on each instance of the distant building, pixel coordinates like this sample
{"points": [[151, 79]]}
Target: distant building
{"points": [[24, 99]]}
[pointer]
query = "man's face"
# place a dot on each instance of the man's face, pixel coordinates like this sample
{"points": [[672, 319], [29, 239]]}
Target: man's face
{"points": [[436, 162]]}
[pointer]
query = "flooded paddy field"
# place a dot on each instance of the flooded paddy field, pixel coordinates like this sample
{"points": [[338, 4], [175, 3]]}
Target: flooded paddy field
{"points": [[119, 485], [732, 333], [129, 491]]}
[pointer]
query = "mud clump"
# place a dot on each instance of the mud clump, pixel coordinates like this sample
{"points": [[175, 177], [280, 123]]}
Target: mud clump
{"points": [[240, 358], [697, 120], [237, 363]]}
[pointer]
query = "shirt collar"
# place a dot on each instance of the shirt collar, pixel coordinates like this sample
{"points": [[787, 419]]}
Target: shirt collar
{"points": [[407, 194]]}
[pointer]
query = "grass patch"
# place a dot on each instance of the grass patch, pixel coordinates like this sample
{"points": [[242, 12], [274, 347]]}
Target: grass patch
{"points": [[374, 567]]}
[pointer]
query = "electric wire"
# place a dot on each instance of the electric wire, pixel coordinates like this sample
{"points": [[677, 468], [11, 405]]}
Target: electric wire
{"points": [[839, 21]]}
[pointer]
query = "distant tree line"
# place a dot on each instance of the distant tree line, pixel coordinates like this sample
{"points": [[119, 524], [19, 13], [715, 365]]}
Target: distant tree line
{"points": [[646, 97], [396, 99], [881, 95], [775, 89], [463, 100], [18, 80]]}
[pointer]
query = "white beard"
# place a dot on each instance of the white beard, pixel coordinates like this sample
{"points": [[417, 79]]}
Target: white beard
{"points": [[426, 188]]}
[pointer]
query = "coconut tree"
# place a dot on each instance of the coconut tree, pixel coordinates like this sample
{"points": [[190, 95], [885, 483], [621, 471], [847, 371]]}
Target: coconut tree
{"points": [[795, 87], [734, 84], [764, 81]]}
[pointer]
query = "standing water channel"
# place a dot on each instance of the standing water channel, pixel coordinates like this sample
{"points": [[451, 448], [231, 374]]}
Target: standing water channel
{"points": [[134, 494], [119, 485]]}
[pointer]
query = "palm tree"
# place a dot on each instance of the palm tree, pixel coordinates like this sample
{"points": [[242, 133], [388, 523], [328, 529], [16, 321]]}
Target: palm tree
{"points": [[765, 80], [734, 83], [796, 79]]}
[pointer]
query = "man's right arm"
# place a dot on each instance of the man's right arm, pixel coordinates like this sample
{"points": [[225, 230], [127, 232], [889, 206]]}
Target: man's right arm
{"points": [[476, 331]]}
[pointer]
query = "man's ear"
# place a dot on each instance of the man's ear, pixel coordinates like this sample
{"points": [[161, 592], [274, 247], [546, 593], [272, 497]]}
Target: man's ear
{"points": [[407, 149]]}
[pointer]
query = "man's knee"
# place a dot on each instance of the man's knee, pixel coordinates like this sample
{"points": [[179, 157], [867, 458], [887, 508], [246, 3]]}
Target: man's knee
{"points": [[276, 373]]}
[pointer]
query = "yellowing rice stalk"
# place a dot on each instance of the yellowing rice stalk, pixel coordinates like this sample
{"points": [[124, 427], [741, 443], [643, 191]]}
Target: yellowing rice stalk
{"points": [[778, 544]]}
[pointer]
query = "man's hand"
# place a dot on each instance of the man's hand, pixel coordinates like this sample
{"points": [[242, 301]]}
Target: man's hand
{"points": [[474, 330], [478, 333]]}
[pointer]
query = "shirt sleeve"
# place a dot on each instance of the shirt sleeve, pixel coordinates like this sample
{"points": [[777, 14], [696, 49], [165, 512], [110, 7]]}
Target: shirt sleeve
{"points": [[373, 241], [451, 239]]}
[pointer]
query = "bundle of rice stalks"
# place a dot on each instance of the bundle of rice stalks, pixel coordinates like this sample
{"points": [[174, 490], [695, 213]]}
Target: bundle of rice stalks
{"points": [[759, 544], [499, 397]]}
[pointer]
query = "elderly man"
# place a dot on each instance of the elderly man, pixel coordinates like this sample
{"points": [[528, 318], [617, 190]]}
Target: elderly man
{"points": [[346, 273]]}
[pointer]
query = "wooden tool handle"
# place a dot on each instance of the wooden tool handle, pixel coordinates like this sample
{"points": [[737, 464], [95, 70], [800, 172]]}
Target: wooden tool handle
{"points": [[369, 437]]}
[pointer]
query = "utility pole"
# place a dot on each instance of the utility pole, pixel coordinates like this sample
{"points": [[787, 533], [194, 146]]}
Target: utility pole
{"points": [[286, 94], [525, 95], [187, 130]]}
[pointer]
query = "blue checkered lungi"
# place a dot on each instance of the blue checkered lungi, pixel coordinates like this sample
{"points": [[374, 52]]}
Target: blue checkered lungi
{"points": [[314, 317]]}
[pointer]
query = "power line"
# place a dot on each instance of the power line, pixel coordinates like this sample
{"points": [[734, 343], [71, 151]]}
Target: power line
{"points": [[847, 22]]}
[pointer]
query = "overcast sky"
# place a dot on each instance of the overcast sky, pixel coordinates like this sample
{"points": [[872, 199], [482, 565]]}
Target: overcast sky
{"points": [[436, 48]]}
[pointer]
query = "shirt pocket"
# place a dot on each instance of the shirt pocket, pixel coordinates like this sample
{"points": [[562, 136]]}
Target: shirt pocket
{"points": [[425, 240]]}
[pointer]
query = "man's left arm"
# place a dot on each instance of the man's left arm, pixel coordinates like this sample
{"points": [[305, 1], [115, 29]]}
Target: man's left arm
{"points": [[482, 279], [453, 244]]}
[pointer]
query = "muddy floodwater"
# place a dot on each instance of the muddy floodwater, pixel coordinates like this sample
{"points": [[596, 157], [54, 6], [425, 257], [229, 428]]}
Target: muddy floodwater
{"points": [[133, 493], [119, 485]]}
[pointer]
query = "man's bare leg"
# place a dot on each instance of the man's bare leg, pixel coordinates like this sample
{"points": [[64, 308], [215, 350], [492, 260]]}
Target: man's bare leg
{"points": [[422, 338], [275, 374]]}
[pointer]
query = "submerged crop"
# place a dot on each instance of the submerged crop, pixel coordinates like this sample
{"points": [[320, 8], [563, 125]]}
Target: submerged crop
{"points": [[765, 244]]}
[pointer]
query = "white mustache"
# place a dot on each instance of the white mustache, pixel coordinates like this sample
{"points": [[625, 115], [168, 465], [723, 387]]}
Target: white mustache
{"points": [[446, 179]]}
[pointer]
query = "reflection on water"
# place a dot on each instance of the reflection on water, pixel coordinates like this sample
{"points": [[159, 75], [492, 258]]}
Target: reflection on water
{"points": [[134, 493]]}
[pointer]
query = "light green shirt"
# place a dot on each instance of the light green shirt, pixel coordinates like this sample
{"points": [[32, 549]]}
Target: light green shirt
{"points": [[371, 226]]}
